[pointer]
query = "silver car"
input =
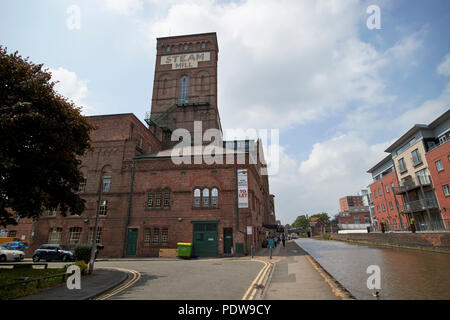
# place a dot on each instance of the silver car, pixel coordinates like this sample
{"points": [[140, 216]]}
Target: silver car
{"points": [[10, 255]]}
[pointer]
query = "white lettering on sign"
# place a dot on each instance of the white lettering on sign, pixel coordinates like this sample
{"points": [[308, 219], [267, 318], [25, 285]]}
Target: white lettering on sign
{"points": [[184, 61], [242, 189]]}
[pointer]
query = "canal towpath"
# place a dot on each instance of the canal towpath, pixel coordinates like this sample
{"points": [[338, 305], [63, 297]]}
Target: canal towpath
{"points": [[297, 276]]}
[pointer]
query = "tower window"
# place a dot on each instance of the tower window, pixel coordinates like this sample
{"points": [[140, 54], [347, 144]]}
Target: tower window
{"points": [[184, 90], [186, 47], [168, 48], [203, 45]]}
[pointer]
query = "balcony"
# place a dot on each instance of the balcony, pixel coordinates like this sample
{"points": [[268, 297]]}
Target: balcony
{"points": [[413, 183], [419, 205], [192, 101]]}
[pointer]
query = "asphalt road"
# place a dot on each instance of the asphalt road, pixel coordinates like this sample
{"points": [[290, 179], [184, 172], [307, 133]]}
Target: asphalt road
{"points": [[188, 279]]}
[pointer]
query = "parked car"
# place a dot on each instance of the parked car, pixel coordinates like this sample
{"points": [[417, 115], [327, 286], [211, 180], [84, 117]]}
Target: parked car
{"points": [[53, 252], [16, 245], [294, 236], [10, 255]]}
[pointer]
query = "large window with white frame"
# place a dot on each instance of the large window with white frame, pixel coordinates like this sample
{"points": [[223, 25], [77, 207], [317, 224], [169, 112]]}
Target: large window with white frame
{"points": [[55, 235], [75, 235]]}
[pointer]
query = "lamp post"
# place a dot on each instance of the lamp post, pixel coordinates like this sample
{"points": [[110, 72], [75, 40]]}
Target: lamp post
{"points": [[94, 236]]}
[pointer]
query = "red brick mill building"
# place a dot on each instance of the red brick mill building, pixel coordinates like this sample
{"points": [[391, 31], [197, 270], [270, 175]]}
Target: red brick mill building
{"points": [[145, 200]]}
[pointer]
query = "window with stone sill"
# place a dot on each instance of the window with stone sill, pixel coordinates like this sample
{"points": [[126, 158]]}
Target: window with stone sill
{"points": [[205, 197], [75, 235], [446, 190], [91, 235], [158, 199], [54, 235], [155, 238], [147, 235], [103, 208]]}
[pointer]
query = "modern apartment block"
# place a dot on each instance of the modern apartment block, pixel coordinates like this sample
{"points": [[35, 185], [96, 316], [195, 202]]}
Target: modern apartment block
{"points": [[419, 162], [386, 204], [354, 213]]}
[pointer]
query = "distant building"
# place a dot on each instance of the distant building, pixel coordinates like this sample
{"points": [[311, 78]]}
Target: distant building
{"points": [[354, 214]]}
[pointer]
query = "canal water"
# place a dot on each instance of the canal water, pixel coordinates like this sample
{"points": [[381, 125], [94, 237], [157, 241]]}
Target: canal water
{"points": [[405, 273]]}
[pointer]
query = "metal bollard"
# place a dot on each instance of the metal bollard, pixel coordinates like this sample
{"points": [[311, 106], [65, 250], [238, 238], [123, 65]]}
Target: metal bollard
{"points": [[251, 249], [270, 250]]}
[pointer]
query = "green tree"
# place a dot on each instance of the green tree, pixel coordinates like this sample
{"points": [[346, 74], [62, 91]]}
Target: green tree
{"points": [[323, 216], [301, 221], [42, 134]]}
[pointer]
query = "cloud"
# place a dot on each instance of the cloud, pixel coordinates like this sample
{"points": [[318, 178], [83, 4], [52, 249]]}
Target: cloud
{"points": [[335, 168], [124, 7], [70, 86], [285, 63], [426, 112], [444, 66]]}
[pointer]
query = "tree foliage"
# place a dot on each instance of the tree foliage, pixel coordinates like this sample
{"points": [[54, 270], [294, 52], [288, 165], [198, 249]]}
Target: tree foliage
{"points": [[323, 216], [42, 134], [301, 221]]}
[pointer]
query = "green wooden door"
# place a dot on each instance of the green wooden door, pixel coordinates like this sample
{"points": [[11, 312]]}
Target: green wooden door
{"points": [[132, 242], [205, 239]]}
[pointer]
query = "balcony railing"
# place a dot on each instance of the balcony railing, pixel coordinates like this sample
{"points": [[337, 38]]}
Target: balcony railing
{"points": [[424, 180], [192, 101], [418, 205]]}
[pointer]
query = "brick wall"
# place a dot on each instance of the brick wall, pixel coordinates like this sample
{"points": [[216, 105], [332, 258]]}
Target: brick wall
{"points": [[439, 241]]}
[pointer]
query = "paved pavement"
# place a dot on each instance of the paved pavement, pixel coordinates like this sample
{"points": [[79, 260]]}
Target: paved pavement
{"points": [[211, 279], [92, 285], [295, 278]]}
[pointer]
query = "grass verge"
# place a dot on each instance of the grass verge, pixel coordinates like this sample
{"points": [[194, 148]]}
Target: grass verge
{"points": [[8, 276]]}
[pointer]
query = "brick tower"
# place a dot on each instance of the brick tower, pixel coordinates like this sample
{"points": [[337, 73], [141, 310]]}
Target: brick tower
{"points": [[185, 85]]}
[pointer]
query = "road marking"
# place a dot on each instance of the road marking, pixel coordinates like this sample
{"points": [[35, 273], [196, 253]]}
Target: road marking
{"points": [[254, 287], [261, 279], [135, 277]]}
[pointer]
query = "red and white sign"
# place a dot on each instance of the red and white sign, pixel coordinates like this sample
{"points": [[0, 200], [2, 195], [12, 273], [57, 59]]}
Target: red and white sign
{"points": [[242, 189]]}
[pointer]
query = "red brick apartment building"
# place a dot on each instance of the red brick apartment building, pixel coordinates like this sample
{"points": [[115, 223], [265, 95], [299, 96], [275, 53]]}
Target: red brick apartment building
{"points": [[438, 159], [145, 200], [386, 203], [417, 171], [354, 214]]}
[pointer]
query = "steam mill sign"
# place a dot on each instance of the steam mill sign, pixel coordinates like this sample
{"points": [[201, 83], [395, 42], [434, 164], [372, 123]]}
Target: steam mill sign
{"points": [[184, 61]]}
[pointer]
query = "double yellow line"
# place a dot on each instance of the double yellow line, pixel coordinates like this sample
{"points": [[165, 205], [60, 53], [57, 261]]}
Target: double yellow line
{"points": [[135, 278], [254, 287]]}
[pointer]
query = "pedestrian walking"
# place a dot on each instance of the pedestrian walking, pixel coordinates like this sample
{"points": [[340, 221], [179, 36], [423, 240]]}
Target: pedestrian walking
{"points": [[283, 239], [271, 242]]}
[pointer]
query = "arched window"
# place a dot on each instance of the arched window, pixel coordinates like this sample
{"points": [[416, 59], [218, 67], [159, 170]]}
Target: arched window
{"points": [[184, 90], [168, 49], [197, 196], [205, 198], [214, 198]]}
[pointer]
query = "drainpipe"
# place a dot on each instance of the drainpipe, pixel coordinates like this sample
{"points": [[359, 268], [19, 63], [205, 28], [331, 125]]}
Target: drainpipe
{"points": [[130, 198]]}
